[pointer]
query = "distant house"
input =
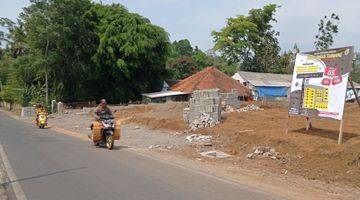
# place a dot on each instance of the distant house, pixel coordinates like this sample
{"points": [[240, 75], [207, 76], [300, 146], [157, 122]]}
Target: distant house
{"points": [[271, 86], [164, 96], [209, 78], [265, 85], [350, 95]]}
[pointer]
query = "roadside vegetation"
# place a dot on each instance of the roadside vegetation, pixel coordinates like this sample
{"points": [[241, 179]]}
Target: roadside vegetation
{"points": [[78, 50]]}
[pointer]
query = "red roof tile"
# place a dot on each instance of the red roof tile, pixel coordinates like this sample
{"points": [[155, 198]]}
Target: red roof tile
{"points": [[211, 78]]}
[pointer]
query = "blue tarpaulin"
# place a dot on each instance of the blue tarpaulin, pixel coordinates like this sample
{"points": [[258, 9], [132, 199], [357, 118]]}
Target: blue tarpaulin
{"points": [[271, 92]]}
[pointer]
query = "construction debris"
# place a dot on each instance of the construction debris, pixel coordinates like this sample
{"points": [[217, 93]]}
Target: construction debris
{"points": [[205, 140], [250, 107], [154, 146], [203, 121], [264, 152], [215, 154]]}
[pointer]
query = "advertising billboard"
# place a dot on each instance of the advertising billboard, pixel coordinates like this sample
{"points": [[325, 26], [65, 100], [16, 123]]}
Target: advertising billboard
{"points": [[319, 83]]}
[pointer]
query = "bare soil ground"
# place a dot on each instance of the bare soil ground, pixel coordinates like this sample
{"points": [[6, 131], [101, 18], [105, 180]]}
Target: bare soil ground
{"points": [[312, 154], [166, 116]]}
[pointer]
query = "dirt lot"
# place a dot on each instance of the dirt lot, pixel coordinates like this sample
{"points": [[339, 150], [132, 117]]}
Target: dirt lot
{"points": [[312, 154], [156, 116]]}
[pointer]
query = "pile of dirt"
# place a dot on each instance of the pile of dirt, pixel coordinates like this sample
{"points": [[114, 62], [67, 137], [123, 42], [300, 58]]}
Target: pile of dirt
{"points": [[132, 110], [166, 116], [313, 154]]}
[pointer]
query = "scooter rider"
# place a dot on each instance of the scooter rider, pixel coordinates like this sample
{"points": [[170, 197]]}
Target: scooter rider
{"points": [[39, 108]]}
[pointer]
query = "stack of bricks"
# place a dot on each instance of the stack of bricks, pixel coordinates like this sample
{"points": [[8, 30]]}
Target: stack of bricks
{"points": [[230, 99], [203, 101]]}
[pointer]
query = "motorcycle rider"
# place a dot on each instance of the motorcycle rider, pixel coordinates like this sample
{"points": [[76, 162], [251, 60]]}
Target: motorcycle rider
{"points": [[101, 111], [39, 108]]}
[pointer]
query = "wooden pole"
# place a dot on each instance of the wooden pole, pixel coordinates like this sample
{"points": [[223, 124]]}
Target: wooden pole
{"points": [[340, 140], [308, 123]]}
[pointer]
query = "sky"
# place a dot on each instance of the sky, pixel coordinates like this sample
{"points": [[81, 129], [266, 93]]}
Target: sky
{"points": [[196, 19]]}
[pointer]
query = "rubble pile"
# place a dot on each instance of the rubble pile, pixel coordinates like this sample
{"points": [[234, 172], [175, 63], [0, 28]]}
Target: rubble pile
{"points": [[205, 140], [250, 107], [214, 154], [203, 121], [264, 152]]}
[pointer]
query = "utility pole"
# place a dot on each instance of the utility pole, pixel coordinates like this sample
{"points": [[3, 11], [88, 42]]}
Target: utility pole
{"points": [[46, 74], [1, 86]]}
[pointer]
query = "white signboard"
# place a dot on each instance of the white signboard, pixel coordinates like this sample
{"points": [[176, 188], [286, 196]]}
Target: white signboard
{"points": [[319, 83]]}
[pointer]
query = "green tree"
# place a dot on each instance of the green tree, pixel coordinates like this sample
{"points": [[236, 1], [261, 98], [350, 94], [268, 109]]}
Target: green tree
{"points": [[132, 53], [201, 59], [355, 73], [249, 41], [53, 36], [327, 29], [183, 67], [181, 48], [88, 50], [287, 61]]}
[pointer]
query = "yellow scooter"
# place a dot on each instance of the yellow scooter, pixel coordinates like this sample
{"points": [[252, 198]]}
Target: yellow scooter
{"points": [[42, 120]]}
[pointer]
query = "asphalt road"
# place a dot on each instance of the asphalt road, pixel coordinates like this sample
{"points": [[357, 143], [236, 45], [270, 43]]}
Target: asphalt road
{"points": [[53, 166]]}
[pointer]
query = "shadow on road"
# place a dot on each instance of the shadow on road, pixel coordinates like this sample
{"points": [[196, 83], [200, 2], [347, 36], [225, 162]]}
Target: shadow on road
{"points": [[43, 175], [115, 148]]}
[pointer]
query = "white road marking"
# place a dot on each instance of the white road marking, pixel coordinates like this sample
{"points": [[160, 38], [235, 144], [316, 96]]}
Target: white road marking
{"points": [[19, 193]]}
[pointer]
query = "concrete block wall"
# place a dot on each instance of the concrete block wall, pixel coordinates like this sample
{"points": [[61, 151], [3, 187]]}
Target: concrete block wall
{"points": [[230, 99], [28, 112], [203, 101]]}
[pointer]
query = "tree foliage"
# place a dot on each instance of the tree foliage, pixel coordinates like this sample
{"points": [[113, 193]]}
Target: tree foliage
{"points": [[183, 67], [185, 60], [132, 53], [89, 50], [181, 48], [355, 73], [327, 29], [250, 41]]}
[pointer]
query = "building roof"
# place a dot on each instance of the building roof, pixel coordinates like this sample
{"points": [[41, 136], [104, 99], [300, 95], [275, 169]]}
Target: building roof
{"points": [[267, 79], [264, 79], [211, 78], [163, 94]]}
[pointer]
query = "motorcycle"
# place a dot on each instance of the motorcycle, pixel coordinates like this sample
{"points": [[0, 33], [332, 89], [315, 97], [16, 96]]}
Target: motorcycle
{"points": [[42, 120], [106, 131]]}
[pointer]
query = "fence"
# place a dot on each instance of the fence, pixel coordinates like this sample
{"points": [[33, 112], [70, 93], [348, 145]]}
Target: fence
{"points": [[79, 105]]}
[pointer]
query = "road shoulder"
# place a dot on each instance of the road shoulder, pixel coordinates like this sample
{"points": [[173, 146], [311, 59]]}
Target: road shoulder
{"points": [[10, 187]]}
